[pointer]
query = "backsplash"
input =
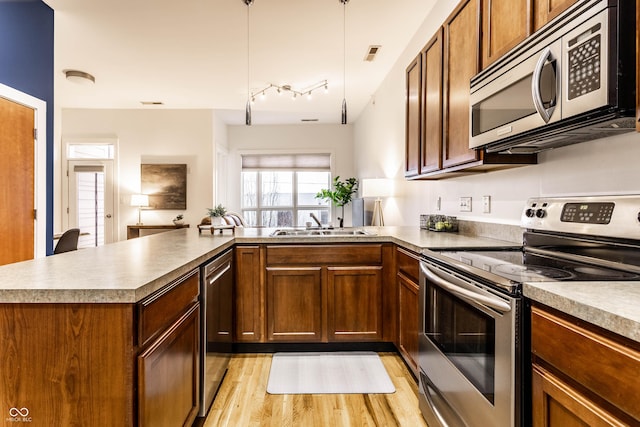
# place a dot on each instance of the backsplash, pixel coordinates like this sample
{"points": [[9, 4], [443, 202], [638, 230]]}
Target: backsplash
{"points": [[510, 233]]}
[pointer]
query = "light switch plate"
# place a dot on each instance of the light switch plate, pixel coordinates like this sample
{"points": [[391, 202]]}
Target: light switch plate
{"points": [[486, 204], [465, 204]]}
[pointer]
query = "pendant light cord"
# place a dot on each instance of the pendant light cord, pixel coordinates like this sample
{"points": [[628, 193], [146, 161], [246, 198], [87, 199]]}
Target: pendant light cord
{"points": [[344, 49]]}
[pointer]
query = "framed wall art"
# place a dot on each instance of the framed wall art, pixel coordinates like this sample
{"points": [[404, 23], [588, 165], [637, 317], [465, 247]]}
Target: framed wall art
{"points": [[166, 185]]}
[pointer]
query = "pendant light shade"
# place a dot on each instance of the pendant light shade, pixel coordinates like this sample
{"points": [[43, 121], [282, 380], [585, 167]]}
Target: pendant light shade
{"points": [[247, 116], [344, 61]]}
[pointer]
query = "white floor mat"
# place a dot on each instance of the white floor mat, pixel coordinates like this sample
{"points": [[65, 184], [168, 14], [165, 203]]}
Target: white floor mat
{"points": [[326, 373]]}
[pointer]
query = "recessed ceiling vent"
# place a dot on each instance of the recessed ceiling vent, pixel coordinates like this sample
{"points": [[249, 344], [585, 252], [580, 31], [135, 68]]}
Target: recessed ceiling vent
{"points": [[308, 120], [372, 52], [151, 102]]}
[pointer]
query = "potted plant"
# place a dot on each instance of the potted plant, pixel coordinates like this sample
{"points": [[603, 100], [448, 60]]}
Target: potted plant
{"points": [[341, 195], [216, 214], [178, 220]]}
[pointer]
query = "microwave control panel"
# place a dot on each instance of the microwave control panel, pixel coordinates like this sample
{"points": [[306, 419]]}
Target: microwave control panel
{"points": [[585, 62]]}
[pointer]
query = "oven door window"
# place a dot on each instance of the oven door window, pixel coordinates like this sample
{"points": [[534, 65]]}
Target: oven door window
{"points": [[465, 335]]}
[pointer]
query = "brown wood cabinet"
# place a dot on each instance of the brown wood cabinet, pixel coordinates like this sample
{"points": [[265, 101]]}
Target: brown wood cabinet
{"points": [[249, 294], [437, 127], [546, 10], [431, 143], [168, 364], [461, 62], [412, 116], [294, 303], [407, 267], [354, 303], [117, 364], [324, 293], [505, 23], [582, 374]]}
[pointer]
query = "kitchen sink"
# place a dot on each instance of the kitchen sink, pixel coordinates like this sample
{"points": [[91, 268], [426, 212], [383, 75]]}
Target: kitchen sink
{"points": [[321, 232]]}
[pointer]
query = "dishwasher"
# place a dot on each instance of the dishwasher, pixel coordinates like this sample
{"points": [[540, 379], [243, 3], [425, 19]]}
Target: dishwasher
{"points": [[216, 326]]}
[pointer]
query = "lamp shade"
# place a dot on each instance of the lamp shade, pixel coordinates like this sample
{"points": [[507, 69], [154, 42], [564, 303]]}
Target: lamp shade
{"points": [[139, 200], [377, 187]]}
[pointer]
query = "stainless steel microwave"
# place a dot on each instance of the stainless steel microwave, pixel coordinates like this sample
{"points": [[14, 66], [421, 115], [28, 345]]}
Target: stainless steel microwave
{"points": [[572, 81]]}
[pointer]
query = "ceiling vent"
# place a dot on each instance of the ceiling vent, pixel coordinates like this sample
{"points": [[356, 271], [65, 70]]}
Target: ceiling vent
{"points": [[308, 120], [372, 52], [151, 102]]}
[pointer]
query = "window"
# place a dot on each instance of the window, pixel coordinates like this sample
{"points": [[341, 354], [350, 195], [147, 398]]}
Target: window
{"points": [[279, 190]]}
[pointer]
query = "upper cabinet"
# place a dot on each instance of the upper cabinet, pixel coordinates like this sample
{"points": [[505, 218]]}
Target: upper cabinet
{"points": [[460, 64], [546, 10], [505, 23], [437, 99]]}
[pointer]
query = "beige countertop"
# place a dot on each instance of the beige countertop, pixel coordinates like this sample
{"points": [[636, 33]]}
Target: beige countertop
{"points": [[610, 305], [128, 271]]}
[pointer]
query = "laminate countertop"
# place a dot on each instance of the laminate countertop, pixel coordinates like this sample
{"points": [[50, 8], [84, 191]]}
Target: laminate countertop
{"points": [[610, 305], [128, 271]]}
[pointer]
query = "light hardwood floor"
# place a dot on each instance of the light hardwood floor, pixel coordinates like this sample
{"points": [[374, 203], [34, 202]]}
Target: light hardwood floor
{"points": [[243, 400]]}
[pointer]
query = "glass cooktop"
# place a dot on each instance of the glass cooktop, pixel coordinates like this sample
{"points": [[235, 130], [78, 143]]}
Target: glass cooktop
{"points": [[522, 267]]}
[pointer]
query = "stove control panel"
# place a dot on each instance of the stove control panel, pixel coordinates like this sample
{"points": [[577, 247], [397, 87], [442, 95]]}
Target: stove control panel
{"points": [[589, 213], [616, 216]]}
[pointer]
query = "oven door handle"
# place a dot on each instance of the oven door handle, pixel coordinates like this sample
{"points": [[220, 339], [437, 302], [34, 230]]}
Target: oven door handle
{"points": [[427, 389], [494, 303]]}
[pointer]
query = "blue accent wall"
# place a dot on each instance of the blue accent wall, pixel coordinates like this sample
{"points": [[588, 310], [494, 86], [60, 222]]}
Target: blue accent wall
{"points": [[26, 64]]}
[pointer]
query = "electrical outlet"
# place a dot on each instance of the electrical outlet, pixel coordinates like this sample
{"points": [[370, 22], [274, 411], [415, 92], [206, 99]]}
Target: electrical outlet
{"points": [[465, 204], [486, 204], [438, 203]]}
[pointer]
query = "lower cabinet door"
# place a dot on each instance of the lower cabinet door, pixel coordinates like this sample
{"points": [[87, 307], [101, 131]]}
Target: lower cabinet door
{"points": [[354, 303], [294, 303], [557, 404], [408, 316], [168, 369]]}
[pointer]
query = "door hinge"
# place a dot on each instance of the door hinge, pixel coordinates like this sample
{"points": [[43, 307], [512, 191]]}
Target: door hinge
{"points": [[67, 210], [35, 214], [35, 134]]}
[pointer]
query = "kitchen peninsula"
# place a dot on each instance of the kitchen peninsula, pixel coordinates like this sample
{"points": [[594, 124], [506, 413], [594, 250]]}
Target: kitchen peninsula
{"points": [[85, 333]]}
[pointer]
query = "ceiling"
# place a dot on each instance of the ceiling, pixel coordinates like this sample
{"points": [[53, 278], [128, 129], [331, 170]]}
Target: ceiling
{"points": [[192, 54]]}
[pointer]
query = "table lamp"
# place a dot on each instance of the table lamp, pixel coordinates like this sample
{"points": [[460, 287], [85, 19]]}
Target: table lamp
{"points": [[140, 201], [378, 188]]}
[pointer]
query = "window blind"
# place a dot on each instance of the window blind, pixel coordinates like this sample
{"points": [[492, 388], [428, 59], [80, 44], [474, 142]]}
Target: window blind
{"points": [[319, 161]]}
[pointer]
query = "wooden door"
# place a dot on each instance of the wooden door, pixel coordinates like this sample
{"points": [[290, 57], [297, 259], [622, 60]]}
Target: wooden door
{"points": [[431, 148], [461, 61], [354, 303], [17, 179], [413, 108], [557, 404], [546, 10], [505, 23], [294, 303], [249, 294], [168, 375], [408, 314]]}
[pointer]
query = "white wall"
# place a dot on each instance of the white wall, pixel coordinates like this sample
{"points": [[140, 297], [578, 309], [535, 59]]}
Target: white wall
{"points": [[334, 139], [152, 136], [606, 166]]}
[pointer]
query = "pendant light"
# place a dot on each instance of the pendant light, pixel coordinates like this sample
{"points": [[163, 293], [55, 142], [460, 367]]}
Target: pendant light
{"points": [[344, 61], [247, 118]]}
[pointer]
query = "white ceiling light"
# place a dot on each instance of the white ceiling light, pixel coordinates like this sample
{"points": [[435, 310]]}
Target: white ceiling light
{"points": [[79, 77]]}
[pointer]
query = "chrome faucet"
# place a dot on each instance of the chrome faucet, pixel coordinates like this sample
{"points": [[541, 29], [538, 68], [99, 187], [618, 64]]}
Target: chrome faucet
{"points": [[315, 218]]}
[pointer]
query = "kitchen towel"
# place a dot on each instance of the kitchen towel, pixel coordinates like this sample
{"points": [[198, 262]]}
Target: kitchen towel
{"points": [[328, 373]]}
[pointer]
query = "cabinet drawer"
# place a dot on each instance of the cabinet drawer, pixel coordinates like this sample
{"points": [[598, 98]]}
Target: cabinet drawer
{"points": [[408, 264], [162, 308], [324, 254], [600, 363]]}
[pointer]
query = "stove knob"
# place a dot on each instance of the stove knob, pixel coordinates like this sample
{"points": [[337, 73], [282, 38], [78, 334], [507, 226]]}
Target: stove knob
{"points": [[540, 213], [530, 213]]}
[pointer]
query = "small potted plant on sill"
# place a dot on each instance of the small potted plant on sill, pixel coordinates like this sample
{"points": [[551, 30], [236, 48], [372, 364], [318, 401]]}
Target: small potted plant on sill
{"points": [[342, 194], [217, 213], [178, 220]]}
